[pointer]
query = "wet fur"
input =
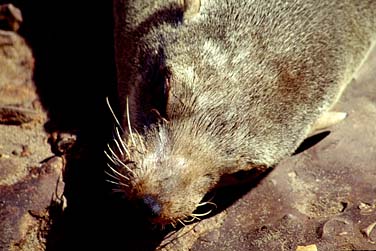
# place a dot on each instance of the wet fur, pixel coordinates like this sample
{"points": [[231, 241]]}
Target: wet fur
{"points": [[238, 85]]}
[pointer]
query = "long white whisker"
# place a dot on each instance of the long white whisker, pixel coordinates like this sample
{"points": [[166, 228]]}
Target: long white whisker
{"points": [[127, 167], [209, 200], [195, 217], [117, 179], [113, 153], [112, 176], [116, 159], [117, 183], [122, 143], [115, 162], [203, 214], [118, 147], [129, 124], [189, 220], [181, 222], [205, 203], [113, 113], [116, 172]]}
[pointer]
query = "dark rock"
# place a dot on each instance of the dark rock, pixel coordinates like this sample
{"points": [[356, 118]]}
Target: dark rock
{"points": [[10, 17]]}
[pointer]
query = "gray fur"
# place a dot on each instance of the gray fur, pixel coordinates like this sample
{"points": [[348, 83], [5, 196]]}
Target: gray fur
{"points": [[248, 80]]}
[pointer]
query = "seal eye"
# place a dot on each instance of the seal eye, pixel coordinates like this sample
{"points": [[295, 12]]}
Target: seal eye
{"points": [[160, 88], [158, 102], [154, 87]]}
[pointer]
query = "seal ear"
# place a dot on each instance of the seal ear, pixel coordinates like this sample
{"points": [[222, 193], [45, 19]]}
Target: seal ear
{"points": [[191, 8]]}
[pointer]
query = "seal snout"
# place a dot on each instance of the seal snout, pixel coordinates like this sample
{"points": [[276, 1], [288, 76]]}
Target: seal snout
{"points": [[150, 206]]}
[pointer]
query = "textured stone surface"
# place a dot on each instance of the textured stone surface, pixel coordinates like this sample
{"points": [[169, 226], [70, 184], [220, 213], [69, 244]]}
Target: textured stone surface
{"points": [[31, 184], [26, 207], [18, 103]]}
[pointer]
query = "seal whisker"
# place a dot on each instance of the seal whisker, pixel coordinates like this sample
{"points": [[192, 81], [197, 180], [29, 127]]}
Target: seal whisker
{"points": [[118, 173], [117, 183], [203, 214], [122, 142], [182, 222], [195, 217], [189, 220], [128, 168], [207, 203], [110, 158], [129, 124], [116, 160], [112, 176], [113, 113], [118, 147]]}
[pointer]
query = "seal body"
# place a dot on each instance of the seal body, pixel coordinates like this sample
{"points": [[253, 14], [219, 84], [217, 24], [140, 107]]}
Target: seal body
{"points": [[212, 87]]}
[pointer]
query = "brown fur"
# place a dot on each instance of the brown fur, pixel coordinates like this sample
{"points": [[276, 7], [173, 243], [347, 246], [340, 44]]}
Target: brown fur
{"points": [[232, 86]]}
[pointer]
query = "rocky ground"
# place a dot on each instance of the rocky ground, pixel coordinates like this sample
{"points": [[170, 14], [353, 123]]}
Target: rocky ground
{"points": [[54, 124]]}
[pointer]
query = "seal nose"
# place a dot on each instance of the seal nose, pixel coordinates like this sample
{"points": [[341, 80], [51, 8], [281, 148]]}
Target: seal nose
{"points": [[150, 206]]}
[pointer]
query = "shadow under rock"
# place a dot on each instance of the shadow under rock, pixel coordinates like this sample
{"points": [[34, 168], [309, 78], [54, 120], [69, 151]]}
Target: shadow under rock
{"points": [[72, 42]]}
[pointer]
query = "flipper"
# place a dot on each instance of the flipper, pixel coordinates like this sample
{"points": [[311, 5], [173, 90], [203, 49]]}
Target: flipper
{"points": [[328, 119]]}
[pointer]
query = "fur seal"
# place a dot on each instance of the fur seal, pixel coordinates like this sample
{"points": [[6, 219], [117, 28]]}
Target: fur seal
{"points": [[211, 87]]}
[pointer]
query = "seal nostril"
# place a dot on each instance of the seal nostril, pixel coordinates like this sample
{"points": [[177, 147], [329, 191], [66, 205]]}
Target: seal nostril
{"points": [[150, 206]]}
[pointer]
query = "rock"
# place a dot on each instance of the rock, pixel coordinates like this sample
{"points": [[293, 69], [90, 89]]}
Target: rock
{"points": [[307, 248], [31, 186], [10, 17], [26, 206], [18, 103], [17, 65], [337, 227]]}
